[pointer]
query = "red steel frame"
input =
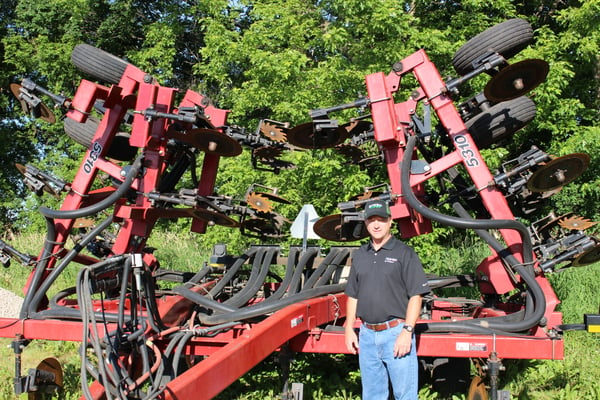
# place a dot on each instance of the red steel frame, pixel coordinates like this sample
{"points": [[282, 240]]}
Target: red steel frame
{"points": [[234, 352]]}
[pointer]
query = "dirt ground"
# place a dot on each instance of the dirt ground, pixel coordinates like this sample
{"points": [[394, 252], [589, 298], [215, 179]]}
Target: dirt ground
{"points": [[10, 304]]}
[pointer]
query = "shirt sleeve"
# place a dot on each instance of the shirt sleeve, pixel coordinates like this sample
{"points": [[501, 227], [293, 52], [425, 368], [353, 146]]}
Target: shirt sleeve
{"points": [[351, 289], [415, 279]]}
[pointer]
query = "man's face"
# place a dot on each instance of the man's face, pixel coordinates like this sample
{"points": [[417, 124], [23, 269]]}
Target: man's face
{"points": [[378, 227]]}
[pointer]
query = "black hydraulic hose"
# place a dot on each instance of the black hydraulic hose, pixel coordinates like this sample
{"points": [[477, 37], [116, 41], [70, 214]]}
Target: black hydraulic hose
{"points": [[298, 269], [257, 261], [454, 221], [488, 237], [317, 272], [214, 329], [86, 365], [103, 204], [203, 301], [193, 174], [113, 342], [179, 349], [170, 179], [143, 351], [270, 254], [45, 285], [287, 277], [307, 256], [111, 345], [136, 337], [123, 293], [61, 295], [326, 277], [261, 309], [71, 313], [498, 325], [153, 314], [498, 248], [341, 255], [456, 327], [156, 388], [40, 268], [198, 276], [529, 279], [232, 272], [90, 333], [451, 281], [224, 307], [174, 341], [293, 270], [62, 312], [260, 269]]}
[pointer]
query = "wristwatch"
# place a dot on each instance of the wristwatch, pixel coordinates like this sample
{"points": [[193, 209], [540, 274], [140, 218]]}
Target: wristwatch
{"points": [[408, 328]]}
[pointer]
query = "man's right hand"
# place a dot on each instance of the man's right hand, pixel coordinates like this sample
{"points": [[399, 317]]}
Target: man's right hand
{"points": [[351, 340]]}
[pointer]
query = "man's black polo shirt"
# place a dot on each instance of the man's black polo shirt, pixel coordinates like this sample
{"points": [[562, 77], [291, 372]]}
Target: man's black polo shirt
{"points": [[383, 281]]}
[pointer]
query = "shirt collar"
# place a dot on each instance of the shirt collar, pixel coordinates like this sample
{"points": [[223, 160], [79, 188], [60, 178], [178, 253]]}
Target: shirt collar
{"points": [[388, 245]]}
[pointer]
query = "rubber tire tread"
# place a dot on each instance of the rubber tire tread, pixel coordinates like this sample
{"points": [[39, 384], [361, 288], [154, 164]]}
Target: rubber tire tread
{"points": [[506, 38], [98, 63], [83, 133], [501, 120]]}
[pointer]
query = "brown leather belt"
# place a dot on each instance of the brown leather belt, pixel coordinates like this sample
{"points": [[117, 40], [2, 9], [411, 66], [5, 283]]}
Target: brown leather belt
{"points": [[384, 325]]}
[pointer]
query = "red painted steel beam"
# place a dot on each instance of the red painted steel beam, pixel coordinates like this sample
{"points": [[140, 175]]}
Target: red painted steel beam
{"points": [[393, 122], [210, 165], [446, 345], [212, 375], [45, 329]]}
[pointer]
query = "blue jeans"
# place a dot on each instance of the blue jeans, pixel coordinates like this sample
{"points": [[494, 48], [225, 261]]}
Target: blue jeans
{"points": [[378, 366]]}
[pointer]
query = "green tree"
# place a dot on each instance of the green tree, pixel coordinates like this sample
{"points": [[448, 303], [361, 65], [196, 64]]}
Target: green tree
{"points": [[279, 59]]}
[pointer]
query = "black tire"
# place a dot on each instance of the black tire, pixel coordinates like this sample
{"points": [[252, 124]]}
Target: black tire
{"points": [[98, 63], [83, 133], [501, 121], [506, 38]]}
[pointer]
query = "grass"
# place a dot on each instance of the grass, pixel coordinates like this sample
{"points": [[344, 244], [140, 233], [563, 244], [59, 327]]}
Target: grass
{"points": [[34, 353], [336, 377], [575, 377]]}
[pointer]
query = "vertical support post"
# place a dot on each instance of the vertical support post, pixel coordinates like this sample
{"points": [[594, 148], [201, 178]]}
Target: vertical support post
{"points": [[305, 235], [297, 389], [494, 366], [19, 382]]}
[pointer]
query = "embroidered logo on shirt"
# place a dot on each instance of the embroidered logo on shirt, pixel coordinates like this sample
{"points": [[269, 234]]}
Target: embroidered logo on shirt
{"points": [[390, 260]]}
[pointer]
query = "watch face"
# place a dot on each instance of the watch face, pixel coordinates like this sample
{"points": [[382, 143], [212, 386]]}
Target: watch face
{"points": [[408, 328]]}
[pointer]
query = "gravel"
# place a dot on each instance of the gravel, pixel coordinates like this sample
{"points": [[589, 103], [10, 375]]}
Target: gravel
{"points": [[10, 304]]}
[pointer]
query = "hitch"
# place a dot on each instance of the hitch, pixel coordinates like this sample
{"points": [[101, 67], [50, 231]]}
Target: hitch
{"points": [[493, 368], [592, 322]]}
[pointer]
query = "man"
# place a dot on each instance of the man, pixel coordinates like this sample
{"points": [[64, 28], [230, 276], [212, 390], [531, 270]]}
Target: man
{"points": [[384, 290]]}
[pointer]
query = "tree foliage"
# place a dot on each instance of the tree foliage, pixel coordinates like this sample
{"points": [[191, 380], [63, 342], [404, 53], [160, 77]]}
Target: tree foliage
{"points": [[279, 59]]}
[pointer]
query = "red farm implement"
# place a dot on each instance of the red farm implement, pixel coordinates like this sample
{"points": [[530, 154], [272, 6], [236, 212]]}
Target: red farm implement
{"points": [[224, 319]]}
